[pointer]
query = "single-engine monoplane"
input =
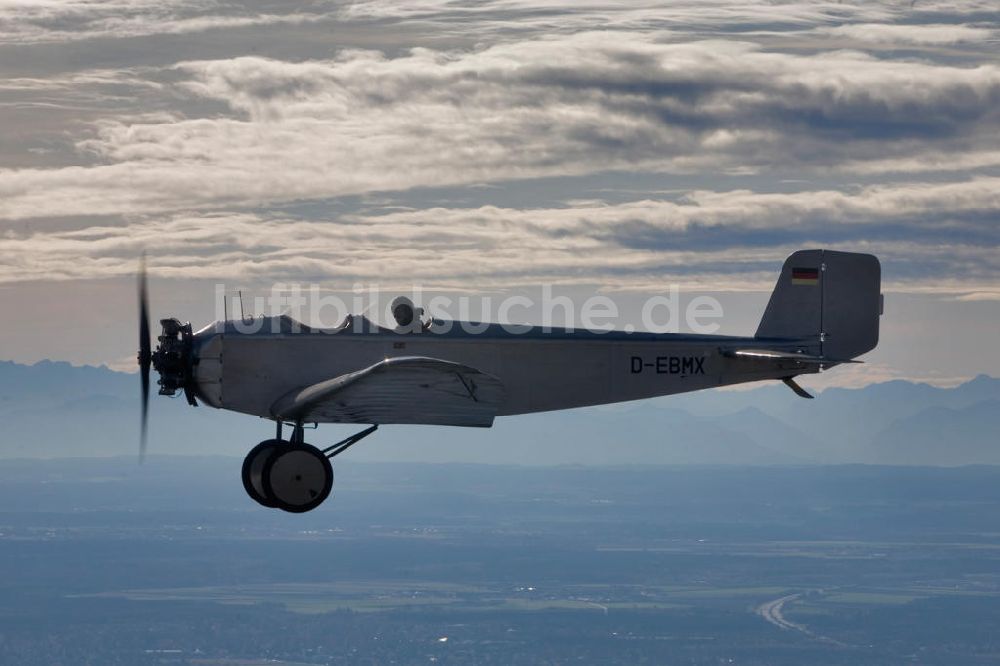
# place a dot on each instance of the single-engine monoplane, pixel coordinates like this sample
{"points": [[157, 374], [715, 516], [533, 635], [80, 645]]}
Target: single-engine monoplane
{"points": [[824, 311]]}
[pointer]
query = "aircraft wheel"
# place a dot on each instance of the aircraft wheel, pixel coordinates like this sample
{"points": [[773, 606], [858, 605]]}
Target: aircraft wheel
{"points": [[253, 471], [298, 477]]}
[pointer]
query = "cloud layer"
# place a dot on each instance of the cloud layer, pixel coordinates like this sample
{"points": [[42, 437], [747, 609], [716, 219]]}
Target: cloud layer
{"points": [[586, 103], [53, 21], [764, 126], [718, 240]]}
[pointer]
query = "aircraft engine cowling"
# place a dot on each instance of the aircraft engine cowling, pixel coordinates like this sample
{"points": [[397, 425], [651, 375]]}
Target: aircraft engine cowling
{"points": [[174, 359]]}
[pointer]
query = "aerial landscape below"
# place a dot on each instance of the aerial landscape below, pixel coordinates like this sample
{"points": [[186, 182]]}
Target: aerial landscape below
{"points": [[500, 564]]}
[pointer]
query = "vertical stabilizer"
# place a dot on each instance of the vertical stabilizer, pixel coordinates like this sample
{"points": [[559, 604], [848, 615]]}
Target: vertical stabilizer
{"points": [[828, 300]]}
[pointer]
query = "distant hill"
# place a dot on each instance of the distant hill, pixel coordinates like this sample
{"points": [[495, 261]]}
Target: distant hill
{"points": [[942, 435], [53, 409]]}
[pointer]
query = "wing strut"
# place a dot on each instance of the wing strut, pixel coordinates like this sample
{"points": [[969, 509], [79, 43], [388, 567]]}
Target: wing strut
{"points": [[345, 444]]}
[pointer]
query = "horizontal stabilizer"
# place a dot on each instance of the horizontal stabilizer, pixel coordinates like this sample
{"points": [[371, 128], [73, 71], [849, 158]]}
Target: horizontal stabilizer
{"points": [[779, 355]]}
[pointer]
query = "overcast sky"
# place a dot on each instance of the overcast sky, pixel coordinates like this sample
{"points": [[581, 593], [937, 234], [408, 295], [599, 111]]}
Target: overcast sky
{"points": [[496, 145]]}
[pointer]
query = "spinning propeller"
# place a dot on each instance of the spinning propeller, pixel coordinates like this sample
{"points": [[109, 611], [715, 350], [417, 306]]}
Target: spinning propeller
{"points": [[173, 360], [145, 353]]}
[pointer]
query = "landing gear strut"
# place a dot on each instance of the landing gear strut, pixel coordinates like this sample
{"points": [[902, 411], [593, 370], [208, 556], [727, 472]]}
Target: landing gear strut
{"points": [[291, 475]]}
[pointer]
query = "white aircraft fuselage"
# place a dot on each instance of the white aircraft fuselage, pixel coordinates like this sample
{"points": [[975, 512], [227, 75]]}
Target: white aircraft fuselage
{"points": [[540, 369]]}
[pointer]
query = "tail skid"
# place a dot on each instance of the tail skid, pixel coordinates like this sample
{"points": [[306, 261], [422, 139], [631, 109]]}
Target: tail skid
{"points": [[798, 390]]}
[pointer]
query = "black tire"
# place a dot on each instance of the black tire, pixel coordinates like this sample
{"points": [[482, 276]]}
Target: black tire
{"points": [[253, 471], [297, 478]]}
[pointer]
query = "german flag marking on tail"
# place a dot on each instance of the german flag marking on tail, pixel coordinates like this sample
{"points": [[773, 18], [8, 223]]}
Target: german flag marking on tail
{"points": [[806, 276]]}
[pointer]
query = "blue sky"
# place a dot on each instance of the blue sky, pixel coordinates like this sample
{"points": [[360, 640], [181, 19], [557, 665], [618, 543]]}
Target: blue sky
{"points": [[494, 146]]}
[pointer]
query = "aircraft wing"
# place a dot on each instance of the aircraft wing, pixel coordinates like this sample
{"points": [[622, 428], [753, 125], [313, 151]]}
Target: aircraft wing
{"points": [[406, 389]]}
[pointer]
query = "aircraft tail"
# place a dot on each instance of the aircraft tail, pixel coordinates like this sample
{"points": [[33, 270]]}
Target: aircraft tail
{"points": [[831, 301]]}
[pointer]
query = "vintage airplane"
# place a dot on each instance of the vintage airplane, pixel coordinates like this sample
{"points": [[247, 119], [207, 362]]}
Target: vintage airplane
{"points": [[824, 311]]}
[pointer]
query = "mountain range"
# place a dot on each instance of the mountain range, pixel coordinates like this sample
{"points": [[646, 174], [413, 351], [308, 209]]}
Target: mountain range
{"points": [[54, 409]]}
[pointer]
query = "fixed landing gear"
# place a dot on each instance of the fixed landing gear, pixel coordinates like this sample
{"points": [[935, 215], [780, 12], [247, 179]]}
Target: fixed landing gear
{"points": [[291, 475]]}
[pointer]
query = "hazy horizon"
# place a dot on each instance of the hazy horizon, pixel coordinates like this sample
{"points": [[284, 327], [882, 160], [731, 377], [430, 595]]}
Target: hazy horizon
{"points": [[492, 149]]}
